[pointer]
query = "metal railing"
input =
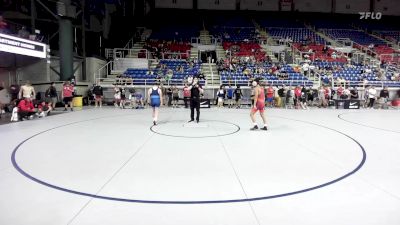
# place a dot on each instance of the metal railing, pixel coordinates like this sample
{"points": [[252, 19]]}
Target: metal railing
{"points": [[213, 40], [235, 82], [104, 71], [377, 83], [175, 55], [143, 81]]}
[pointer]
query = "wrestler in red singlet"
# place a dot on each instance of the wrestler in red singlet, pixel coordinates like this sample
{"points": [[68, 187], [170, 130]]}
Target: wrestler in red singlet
{"points": [[259, 105]]}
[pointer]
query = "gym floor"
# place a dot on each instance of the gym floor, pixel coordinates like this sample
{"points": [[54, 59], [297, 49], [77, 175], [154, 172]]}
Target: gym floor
{"points": [[111, 166]]}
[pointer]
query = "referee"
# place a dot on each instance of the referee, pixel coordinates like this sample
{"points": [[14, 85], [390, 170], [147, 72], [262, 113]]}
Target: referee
{"points": [[196, 90]]}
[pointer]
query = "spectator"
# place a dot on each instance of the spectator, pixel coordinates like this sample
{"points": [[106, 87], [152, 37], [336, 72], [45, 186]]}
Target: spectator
{"points": [[297, 96], [238, 96], [123, 97], [305, 68], [186, 95], [366, 96], [175, 96], [44, 108], [98, 95], [339, 92], [354, 93], [169, 95], [26, 109], [51, 95], [372, 93], [14, 91], [117, 95], [221, 96], [282, 95], [270, 96], [67, 95], [139, 100], [229, 95], [346, 94], [27, 91], [383, 98]]}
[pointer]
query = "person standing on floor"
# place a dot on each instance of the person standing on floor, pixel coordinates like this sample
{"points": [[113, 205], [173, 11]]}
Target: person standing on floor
{"points": [[186, 95], [169, 94], [195, 91], [372, 94], [175, 96], [51, 95], [117, 95], [229, 96], [155, 100], [27, 91], [238, 95], [67, 95], [221, 96], [98, 95], [123, 97], [258, 105]]}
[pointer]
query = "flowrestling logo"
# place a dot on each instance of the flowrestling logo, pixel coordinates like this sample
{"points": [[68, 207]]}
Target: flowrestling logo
{"points": [[370, 15]]}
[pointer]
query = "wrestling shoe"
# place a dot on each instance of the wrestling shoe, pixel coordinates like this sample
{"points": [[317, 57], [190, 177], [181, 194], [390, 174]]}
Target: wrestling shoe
{"points": [[254, 128]]}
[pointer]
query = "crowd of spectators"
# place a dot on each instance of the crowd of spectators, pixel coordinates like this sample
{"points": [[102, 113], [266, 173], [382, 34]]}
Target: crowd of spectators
{"points": [[25, 103]]}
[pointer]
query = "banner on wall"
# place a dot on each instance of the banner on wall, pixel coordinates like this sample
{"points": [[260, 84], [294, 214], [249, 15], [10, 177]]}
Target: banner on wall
{"points": [[22, 46]]}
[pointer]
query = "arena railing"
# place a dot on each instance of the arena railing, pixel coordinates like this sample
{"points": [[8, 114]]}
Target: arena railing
{"points": [[213, 40], [394, 57], [104, 71], [380, 84], [290, 83], [175, 55]]}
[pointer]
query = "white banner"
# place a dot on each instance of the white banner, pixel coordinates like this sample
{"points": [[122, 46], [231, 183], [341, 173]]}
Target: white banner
{"points": [[22, 46]]}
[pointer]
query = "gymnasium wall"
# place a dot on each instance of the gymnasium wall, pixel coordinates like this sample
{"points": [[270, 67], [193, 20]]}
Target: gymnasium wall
{"points": [[324, 6], [386, 7], [216, 4], [259, 5]]}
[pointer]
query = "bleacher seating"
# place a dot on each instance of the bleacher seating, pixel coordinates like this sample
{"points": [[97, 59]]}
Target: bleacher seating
{"points": [[232, 29], [175, 33], [357, 36], [297, 35], [319, 55], [169, 48], [246, 49], [287, 23], [239, 78], [143, 76]]}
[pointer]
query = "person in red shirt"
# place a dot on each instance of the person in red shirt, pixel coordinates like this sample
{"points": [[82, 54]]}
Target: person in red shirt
{"points": [[44, 109], [339, 92], [186, 95], [259, 104], [270, 96], [67, 95], [26, 109], [297, 95]]}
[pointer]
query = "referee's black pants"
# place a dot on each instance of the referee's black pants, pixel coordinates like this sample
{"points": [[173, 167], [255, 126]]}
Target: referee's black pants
{"points": [[195, 104]]}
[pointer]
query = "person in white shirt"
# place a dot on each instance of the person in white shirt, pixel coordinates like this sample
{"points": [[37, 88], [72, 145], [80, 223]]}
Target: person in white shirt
{"points": [[372, 96], [305, 68], [27, 91]]}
